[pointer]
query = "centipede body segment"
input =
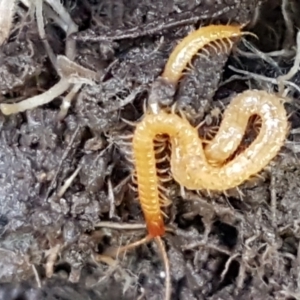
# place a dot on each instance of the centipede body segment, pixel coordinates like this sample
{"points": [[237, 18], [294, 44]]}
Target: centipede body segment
{"points": [[192, 44]]}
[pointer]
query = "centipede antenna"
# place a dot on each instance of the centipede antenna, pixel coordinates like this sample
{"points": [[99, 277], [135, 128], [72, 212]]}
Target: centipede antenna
{"points": [[163, 252]]}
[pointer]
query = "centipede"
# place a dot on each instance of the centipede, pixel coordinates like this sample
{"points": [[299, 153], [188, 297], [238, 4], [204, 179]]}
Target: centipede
{"points": [[147, 179], [196, 163]]}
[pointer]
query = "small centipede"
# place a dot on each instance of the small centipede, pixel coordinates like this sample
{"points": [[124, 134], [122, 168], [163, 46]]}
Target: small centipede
{"points": [[192, 165]]}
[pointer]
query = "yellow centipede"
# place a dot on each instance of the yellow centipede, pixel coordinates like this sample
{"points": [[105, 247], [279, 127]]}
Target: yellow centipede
{"points": [[191, 163], [189, 160]]}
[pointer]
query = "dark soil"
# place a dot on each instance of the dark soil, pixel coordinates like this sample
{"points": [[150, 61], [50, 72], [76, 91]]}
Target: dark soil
{"points": [[240, 245]]}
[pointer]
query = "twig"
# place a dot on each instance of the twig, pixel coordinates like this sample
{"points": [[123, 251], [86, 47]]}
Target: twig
{"points": [[255, 53], [288, 23], [155, 27], [273, 199], [264, 78], [131, 246], [66, 102], [65, 154], [41, 29], [227, 265], [67, 183], [36, 275], [293, 71], [7, 11], [122, 226]]}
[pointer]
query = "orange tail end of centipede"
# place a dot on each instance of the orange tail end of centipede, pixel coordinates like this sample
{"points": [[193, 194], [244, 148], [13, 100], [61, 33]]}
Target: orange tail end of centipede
{"points": [[155, 226]]}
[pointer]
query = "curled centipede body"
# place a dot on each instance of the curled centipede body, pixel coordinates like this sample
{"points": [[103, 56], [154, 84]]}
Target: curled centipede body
{"points": [[190, 161], [215, 166], [144, 156], [195, 41]]}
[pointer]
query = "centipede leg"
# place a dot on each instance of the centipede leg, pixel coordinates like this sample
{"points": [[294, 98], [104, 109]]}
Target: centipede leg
{"points": [[120, 250], [133, 188], [165, 179], [162, 159], [164, 171], [208, 193], [161, 139], [182, 114], [129, 158], [211, 132], [213, 47], [202, 56], [159, 150], [241, 194], [182, 192], [206, 55], [162, 249], [189, 67], [164, 201], [130, 123]]}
